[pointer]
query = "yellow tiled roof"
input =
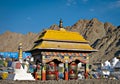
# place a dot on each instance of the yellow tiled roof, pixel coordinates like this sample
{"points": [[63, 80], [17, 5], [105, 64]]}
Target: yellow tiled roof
{"points": [[62, 40], [62, 36], [64, 46]]}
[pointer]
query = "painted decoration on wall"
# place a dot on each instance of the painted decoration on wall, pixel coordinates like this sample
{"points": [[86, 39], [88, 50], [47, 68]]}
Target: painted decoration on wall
{"points": [[63, 56]]}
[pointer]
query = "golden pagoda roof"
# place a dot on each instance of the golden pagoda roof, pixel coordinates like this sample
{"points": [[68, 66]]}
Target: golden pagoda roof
{"points": [[51, 45], [62, 40], [61, 35]]}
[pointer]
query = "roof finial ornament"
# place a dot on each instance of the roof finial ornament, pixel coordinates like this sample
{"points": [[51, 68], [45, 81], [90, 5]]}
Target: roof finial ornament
{"points": [[60, 23]]}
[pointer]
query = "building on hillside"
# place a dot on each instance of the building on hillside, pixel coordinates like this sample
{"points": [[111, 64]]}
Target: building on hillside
{"points": [[55, 47], [116, 71], [117, 65]]}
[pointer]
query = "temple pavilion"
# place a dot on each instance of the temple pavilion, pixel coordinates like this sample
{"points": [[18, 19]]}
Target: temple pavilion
{"points": [[64, 46]]}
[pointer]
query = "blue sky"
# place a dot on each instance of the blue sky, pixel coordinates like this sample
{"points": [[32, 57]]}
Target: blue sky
{"points": [[23, 16]]}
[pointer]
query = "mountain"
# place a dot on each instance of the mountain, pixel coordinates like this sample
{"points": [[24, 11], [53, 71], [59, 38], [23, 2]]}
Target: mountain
{"points": [[9, 41], [108, 46], [102, 36]]}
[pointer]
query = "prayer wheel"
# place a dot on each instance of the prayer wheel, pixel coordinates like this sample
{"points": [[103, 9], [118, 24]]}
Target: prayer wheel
{"points": [[51, 76], [51, 71], [73, 71]]}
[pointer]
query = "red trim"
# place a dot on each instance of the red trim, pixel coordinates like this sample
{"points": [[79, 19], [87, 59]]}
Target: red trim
{"points": [[76, 54], [84, 54], [47, 53], [62, 53]]}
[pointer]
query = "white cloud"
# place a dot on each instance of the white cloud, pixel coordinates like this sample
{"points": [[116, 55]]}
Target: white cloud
{"points": [[115, 4], [74, 2], [71, 2]]}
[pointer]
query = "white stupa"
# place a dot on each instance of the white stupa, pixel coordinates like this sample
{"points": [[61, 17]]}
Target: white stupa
{"points": [[20, 72]]}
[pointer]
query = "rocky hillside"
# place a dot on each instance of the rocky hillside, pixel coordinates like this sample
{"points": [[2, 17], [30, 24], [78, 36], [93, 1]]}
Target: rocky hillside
{"points": [[9, 41], [102, 36], [108, 46]]}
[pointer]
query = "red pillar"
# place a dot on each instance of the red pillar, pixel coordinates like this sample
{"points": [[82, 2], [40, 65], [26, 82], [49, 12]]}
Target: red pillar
{"points": [[66, 75], [87, 68], [66, 70], [35, 76], [43, 73]]}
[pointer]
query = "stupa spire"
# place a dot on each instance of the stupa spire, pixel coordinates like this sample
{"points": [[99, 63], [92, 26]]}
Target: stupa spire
{"points": [[61, 23]]}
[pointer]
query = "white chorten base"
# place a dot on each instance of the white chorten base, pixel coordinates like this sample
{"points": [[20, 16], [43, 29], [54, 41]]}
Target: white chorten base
{"points": [[21, 74]]}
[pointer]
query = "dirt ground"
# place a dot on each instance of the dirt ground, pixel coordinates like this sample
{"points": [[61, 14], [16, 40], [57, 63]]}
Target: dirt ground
{"points": [[88, 81]]}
